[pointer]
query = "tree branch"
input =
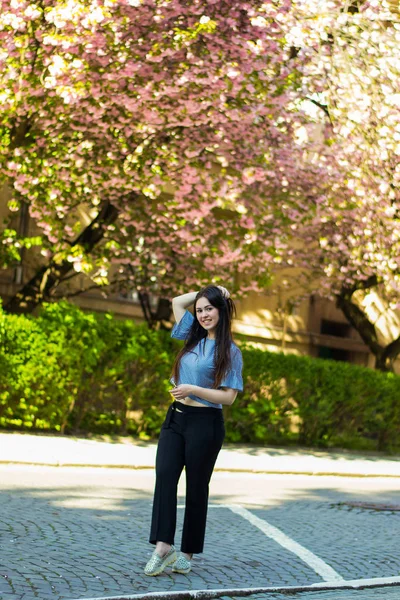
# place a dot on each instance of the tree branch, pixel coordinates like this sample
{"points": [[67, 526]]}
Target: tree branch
{"points": [[389, 355], [42, 285], [95, 286], [385, 355], [18, 133], [358, 319], [323, 107], [363, 284]]}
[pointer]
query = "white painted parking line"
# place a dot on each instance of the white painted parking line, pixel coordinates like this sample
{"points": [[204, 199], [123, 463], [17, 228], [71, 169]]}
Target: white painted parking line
{"points": [[355, 584], [312, 560]]}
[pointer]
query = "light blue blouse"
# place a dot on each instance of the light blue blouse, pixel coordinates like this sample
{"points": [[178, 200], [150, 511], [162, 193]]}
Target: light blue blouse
{"points": [[197, 366]]}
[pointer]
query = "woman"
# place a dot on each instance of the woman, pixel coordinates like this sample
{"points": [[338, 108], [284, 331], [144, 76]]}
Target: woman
{"points": [[207, 375]]}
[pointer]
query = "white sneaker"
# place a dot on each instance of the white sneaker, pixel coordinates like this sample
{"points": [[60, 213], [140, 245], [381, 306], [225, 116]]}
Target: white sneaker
{"points": [[181, 565], [157, 564]]}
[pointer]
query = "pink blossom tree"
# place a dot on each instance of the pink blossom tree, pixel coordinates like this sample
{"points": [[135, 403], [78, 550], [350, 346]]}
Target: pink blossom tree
{"points": [[349, 244], [186, 136], [154, 117]]}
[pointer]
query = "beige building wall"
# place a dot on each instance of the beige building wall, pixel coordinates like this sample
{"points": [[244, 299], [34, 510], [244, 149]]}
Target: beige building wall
{"points": [[316, 328]]}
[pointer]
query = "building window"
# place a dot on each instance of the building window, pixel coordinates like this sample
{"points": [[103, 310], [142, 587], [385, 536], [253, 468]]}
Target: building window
{"points": [[335, 328], [333, 353]]}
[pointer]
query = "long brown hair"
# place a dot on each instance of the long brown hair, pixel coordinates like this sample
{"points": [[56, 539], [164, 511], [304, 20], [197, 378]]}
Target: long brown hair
{"points": [[223, 334]]}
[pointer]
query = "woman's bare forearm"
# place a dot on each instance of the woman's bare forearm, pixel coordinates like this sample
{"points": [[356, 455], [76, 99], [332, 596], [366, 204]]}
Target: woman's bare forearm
{"points": [[226, 397], [181, 303]]}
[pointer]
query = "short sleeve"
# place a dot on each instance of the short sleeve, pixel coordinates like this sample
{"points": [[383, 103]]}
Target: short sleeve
{"points": [[180, 330], [234, 379]]}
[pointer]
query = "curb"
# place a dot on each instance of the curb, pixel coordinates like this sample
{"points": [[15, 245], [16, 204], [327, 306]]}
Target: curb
{"points": [[357, 584], [216, 470]]}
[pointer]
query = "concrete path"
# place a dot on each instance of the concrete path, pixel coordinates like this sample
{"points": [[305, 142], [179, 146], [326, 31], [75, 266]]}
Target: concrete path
{"points": [[52, 450]]}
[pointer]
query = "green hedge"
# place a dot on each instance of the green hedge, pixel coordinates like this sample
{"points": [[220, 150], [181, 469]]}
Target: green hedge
{"points": [[68, 370], [71, 371], [315, 402]]}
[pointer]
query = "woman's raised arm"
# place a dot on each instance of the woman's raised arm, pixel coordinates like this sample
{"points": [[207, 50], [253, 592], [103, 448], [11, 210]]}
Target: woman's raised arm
{"points": [[181, 303]]}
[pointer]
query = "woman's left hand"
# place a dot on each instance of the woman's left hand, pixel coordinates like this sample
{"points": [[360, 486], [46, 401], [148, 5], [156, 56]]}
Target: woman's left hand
{"points": [[181, 391]]}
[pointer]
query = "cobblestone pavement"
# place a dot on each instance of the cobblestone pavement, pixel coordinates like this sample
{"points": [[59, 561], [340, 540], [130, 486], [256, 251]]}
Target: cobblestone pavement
{"points": [[357, 543], [79, 533]]}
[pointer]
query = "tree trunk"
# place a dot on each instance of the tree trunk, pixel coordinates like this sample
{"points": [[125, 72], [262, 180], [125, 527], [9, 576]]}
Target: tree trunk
{"points": [[162, 312], [384, 355], [385, 362], [39, 288]]}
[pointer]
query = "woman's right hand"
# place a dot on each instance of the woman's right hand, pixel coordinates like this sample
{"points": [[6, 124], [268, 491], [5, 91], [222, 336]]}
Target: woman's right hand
{"points": [[224, 291]]}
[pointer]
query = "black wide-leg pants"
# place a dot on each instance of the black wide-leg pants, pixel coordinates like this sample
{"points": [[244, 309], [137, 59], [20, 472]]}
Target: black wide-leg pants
{"points": [[190, 437]]}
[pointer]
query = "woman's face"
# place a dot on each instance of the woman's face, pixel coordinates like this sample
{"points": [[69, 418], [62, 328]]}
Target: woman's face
{"points": [[207, 314]]}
